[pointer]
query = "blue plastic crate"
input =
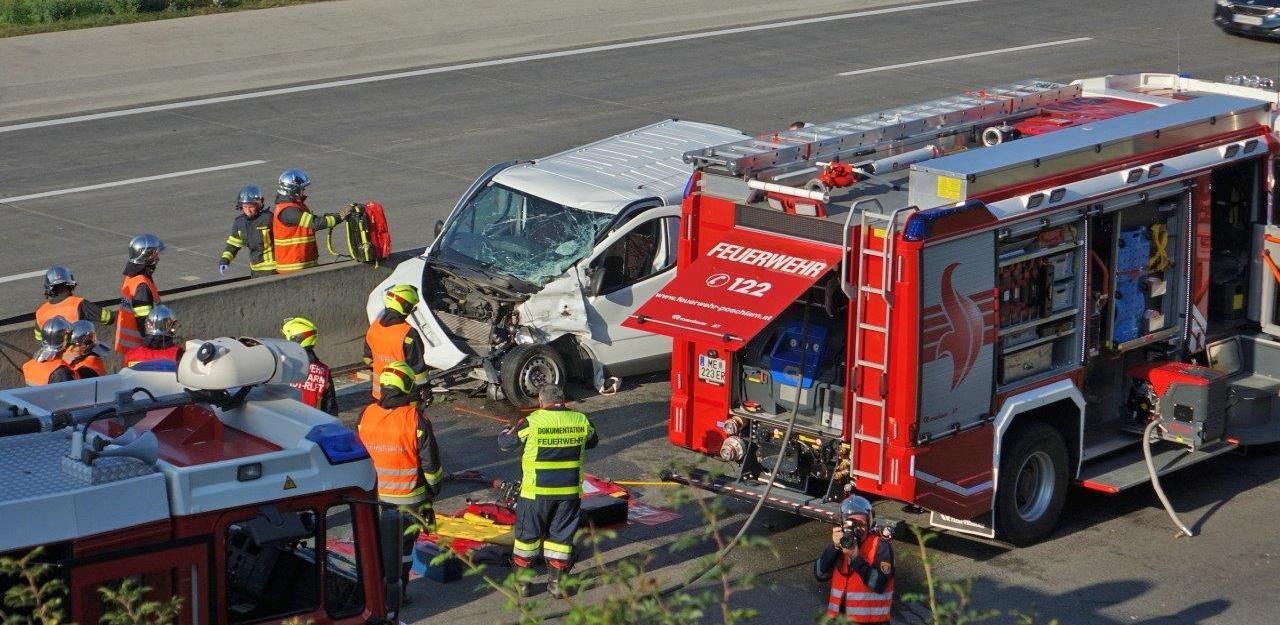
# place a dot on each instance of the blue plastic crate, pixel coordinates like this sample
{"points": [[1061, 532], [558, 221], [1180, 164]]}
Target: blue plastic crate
{"points": [[784, 359]]}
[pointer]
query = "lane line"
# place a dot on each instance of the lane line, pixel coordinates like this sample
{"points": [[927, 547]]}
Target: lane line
{"points": [[22, 276], [960, 57], [477, 65], [121, 183]]}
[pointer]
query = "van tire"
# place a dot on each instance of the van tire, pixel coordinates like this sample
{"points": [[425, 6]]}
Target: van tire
{"points": [[527, 368], [1033, 484]]}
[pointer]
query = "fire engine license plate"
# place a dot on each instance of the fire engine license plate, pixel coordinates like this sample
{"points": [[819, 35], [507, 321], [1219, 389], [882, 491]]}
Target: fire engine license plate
{"points": [[711, 369], [1251, 20]]}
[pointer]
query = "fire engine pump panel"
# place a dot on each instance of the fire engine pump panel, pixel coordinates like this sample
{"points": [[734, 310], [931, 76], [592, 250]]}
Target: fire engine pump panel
{"points": [[222, 443], [1101, 237]]}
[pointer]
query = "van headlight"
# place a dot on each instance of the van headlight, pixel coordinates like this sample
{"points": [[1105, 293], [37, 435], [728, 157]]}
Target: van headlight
{"points": [[524, 336]]}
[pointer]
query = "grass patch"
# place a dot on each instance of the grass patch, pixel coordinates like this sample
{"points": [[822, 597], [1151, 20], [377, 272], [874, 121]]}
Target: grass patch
{"points": [[28, 17]]}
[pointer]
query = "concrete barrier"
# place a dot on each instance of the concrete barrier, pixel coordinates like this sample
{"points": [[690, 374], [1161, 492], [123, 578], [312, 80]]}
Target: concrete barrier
{"points": [[333, 296]]}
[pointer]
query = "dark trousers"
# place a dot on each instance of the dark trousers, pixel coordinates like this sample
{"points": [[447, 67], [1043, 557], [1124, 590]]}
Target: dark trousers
{"points": [[545, 526]]}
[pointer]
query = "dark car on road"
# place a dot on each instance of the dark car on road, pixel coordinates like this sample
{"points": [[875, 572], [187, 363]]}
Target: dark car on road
{"points": [[1255, 18]]}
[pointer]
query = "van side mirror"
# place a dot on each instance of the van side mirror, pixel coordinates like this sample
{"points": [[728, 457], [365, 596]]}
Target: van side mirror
{"points": [[595, 277], [439, 227]]}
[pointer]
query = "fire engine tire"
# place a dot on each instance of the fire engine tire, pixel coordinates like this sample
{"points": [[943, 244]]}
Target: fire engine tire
{"points": [[1033, 484], [527, 368]]}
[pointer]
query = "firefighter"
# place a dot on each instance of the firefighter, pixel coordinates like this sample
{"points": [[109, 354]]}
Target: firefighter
{"points": [[138, 293], [47, 366], [555, 441], [294, 226], [251, 229], [860, 567], [160, 342], [82, 355], [317, 390], [390, 338], [61, 301], [405, 456]]}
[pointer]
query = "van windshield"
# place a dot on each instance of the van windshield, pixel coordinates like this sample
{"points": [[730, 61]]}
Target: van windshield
{"points": [[501, 229]]}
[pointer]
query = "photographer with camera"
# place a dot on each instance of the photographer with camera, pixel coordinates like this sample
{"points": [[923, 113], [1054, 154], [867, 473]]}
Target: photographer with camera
{"points": [[859, 563]]}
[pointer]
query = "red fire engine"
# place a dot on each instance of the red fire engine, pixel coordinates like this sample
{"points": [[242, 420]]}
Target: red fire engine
{"points": [[969, 303], [215, 485]]}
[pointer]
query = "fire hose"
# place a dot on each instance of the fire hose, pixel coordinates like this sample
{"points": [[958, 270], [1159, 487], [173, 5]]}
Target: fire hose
{"points": [[1155, 479]]}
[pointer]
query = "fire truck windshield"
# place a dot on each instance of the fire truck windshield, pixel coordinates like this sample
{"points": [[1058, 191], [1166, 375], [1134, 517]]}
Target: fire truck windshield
{"points": [[504, 230]]}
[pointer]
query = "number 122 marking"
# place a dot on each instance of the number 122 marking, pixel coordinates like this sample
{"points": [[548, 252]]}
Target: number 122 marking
{"points": [[747, 286]]}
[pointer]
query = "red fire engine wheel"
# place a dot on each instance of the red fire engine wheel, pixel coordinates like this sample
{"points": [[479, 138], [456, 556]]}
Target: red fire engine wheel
{"points": [[1033, 483]]}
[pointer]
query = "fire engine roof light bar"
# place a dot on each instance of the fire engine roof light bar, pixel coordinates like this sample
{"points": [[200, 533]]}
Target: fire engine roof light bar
{"points": [[866, 134]]}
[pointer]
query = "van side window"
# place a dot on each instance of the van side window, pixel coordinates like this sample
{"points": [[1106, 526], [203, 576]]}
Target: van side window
{"points": [[271, 566], [645, 251]]}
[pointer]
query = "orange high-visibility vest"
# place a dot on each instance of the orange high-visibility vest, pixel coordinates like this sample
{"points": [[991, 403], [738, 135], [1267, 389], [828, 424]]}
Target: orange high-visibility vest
{"points": [[851, 598], [128, 334], [391, 436], [92, 362], [37, 373], [386, 344], [68, 309], [295, 245]]}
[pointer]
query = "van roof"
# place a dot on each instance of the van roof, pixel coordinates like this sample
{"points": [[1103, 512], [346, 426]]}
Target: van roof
{"points": [[608, 174]]}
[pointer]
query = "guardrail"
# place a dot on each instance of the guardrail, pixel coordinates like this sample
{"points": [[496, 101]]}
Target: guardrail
{"points": [[333, 296]]}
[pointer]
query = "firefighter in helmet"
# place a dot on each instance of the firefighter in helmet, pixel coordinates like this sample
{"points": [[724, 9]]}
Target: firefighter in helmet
{"points": [[83, 356], [859, 564], [60, 300], [251, 229], [294, 226], [46, 365], [317, 390], [555, 440], [391, 338], [139, 293], [405, 455], [160, 343]]}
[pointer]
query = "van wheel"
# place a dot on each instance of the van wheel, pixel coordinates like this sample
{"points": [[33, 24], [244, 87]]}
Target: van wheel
{"points": [[528, 368], [1033, 484]]}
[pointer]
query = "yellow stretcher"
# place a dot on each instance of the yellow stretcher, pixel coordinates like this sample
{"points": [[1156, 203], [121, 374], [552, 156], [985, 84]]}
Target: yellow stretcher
{"points": [[474, 527]]}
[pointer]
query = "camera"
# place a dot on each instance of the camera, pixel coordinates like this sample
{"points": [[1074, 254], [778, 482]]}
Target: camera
{"points": [[851, 534]]}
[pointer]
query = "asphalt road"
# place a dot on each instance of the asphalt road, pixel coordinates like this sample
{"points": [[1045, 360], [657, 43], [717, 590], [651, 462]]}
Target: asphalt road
{"points": [[1114, 560], [415, 143]]}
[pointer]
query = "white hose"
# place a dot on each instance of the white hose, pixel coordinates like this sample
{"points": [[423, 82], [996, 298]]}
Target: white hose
{"points": [[1155, 479]]}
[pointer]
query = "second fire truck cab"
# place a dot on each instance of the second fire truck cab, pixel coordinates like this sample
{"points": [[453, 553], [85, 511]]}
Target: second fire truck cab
{"points": [[215, 486], [969, 303]]}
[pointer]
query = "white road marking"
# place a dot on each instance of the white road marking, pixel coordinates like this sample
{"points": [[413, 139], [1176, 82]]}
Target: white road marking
{"points": [[960, 57], [477, 65], [22, 276], [121, 183]]}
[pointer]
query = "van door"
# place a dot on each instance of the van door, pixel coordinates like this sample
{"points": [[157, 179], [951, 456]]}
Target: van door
{"points": [[629, 267]]}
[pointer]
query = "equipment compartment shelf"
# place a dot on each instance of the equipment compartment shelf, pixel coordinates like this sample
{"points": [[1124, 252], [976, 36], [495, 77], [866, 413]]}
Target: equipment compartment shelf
{"points": [[1039, 341], [1062, 247], [1035, 322]]}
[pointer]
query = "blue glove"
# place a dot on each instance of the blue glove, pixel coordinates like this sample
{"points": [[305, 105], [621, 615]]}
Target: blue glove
{"points": [[222, 269]]}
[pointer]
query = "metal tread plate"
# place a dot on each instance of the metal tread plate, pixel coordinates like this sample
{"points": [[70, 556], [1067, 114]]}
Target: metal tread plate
{"points": [[1121, 471], [780, 498]]}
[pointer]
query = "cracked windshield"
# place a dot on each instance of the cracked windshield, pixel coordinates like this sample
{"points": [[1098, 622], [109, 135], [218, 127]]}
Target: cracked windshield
{"points": [[521, 235]]}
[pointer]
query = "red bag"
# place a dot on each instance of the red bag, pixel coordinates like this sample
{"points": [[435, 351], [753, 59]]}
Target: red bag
{"points": [[368, 237]]}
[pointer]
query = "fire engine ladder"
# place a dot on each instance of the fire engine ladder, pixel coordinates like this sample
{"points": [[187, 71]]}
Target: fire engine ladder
{"points": [[873, 305], [774, 156]]}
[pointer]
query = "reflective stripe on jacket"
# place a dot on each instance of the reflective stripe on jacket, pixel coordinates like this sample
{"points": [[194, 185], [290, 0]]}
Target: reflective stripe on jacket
{"points": [[128, 333], [851, 597], [554, 446]]}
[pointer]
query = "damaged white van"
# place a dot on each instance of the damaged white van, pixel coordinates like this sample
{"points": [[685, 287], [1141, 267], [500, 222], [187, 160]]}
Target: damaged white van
{"points": [[530, 277]]}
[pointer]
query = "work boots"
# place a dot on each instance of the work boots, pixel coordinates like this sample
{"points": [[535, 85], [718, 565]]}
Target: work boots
{"points": [[553, 586]]}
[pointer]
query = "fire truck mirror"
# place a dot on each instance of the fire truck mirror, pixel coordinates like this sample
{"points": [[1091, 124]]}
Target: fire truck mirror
{"points": [[390, 525]]}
